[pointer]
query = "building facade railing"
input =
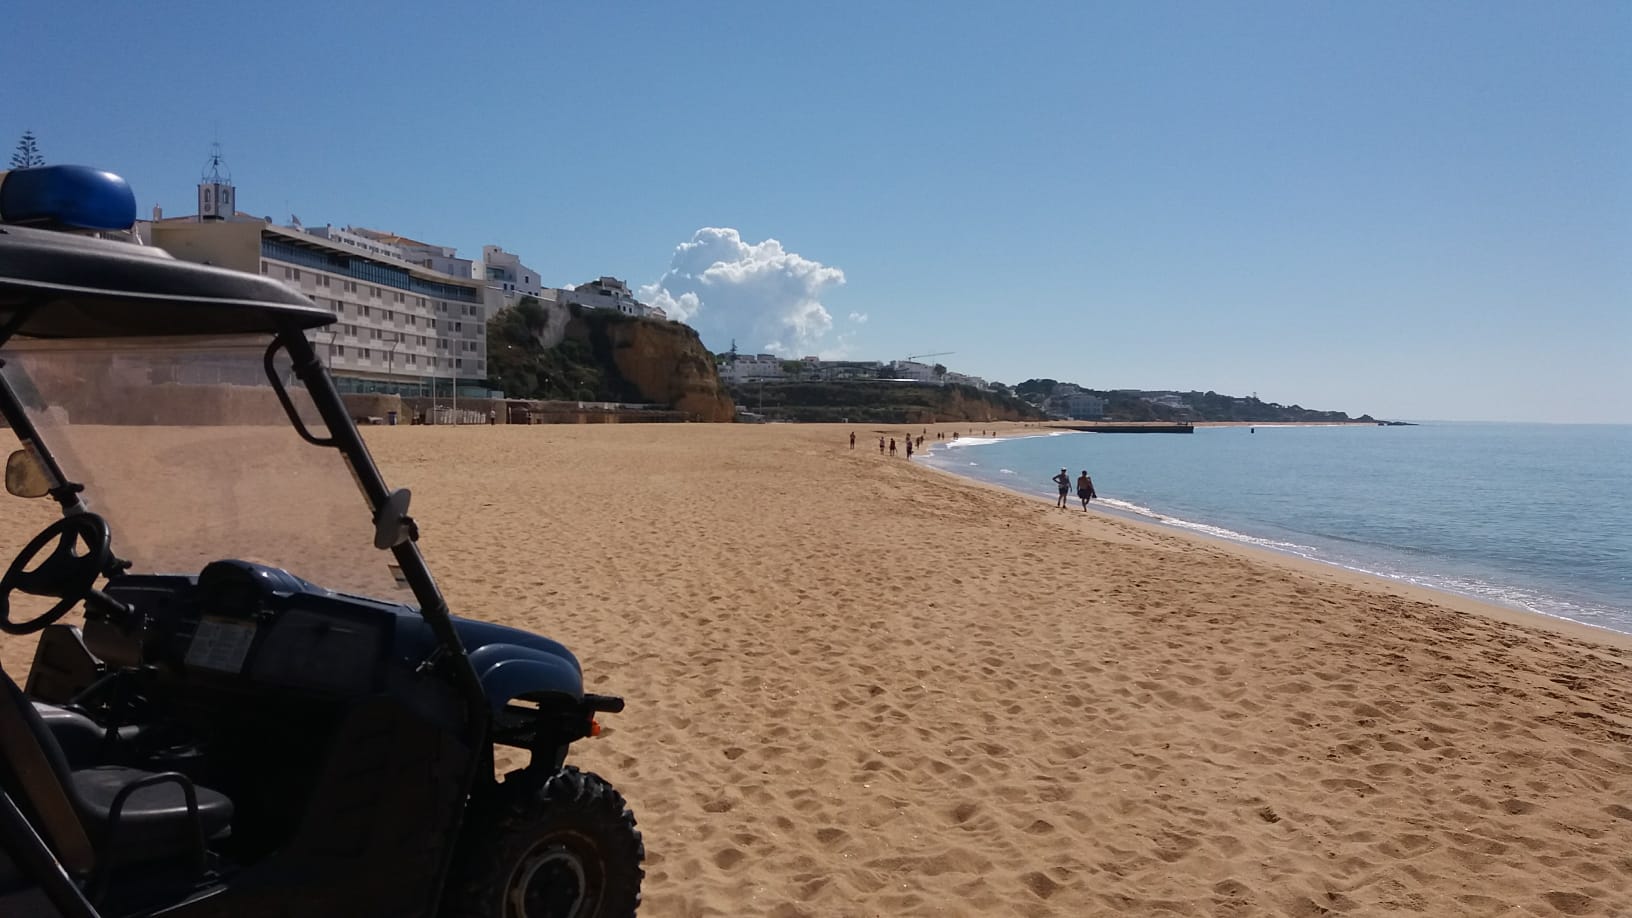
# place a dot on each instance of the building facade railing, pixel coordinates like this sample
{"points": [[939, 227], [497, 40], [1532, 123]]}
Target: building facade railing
{"points": [[364, 270]]}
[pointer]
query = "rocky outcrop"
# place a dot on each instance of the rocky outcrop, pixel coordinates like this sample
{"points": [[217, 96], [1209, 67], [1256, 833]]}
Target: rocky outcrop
{"points": [[656, 362]]}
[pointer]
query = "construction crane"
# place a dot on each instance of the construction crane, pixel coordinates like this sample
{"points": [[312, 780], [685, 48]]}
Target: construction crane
{"points": [[936, 354]]}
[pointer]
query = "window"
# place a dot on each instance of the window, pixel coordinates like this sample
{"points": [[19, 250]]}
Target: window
{"points": [[460, 363], [288, 273], [263, 267], [340, 350], [368, 354], [458, 326], [297, 274], [351, 286], [363, 310]]}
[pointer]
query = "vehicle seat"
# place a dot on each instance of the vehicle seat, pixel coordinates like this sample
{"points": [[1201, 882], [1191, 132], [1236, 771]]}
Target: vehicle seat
{"points": [[153, 824], [79, 736]]}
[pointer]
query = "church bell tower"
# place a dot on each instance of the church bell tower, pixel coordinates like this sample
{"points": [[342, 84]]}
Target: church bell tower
{"points": [[216, 200]]}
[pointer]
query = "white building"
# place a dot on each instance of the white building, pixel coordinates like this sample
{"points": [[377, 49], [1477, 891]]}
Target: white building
{"points": [[505, 272], [399, 325], [439, 258], [912, 369], [749, 367], [1081, 406], [607, 293], [964, 379]]}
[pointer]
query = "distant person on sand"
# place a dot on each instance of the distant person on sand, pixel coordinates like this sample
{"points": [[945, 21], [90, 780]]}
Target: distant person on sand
{"points": [[909, 447], [1085, 489], [852, 439], [1064, 481], [892, 446], [881, 446]]}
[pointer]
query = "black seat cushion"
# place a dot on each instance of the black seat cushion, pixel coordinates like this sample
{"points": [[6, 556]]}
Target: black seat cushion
{"points": [[153, 823]]}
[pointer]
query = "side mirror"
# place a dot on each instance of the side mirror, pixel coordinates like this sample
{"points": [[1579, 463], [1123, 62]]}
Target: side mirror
{"points": [[393, 526], [24, 477]]}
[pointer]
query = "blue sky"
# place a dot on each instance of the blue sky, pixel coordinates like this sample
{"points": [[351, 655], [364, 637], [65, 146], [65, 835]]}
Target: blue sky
{"points": [[1418, 210]]}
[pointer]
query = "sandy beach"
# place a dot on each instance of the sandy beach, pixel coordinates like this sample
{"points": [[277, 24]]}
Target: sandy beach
{"points": [[859, 687]]}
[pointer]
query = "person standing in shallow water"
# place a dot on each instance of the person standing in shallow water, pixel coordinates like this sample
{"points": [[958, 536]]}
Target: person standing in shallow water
{"points": [[1064, 481], [1085, 489], [909, 447]]}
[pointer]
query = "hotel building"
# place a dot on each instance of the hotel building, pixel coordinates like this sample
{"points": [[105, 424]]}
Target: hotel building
{"points": [[401, 326]]}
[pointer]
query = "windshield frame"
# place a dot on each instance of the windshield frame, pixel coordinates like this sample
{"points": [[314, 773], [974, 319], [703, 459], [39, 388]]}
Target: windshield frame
{"points": [[346, 439]]}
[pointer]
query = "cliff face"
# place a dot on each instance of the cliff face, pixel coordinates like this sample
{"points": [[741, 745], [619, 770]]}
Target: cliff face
{"points": [[656, 362], [544, 352]]}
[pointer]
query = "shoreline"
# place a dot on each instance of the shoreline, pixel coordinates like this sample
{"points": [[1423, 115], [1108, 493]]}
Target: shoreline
{"points": [[1337, 572]]}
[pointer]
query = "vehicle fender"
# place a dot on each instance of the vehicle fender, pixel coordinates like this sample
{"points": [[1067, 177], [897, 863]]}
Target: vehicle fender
{"points": [[478, 635], [508, 671]]}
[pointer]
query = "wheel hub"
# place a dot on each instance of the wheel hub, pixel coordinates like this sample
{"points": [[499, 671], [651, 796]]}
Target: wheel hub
{"points": [[548, 883]]}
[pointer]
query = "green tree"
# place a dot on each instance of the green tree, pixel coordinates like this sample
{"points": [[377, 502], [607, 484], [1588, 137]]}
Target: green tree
{"points": [[940, 372], [531, 312], [794, 368], [28, 153]]}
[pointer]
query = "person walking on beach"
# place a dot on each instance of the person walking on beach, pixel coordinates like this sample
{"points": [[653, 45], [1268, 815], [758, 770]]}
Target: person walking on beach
{"points": [[1085, 489], [909, 447], [852, 439], [892, 446], [1064, 481], [881, 446]]}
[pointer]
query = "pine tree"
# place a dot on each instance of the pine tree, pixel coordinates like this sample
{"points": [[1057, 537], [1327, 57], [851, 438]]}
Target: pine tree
{"points": [[28, 153]]}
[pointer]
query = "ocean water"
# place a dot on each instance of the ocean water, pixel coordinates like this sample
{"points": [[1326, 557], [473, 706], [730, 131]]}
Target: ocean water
{"points": [[1530, 516]]}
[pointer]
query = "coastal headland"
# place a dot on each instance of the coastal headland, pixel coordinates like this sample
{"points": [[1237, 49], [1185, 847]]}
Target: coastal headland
{"points": [[857, 686]]}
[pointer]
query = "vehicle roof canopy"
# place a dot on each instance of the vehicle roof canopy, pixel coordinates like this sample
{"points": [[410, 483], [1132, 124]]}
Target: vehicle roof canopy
{"points": [[83, 287]]}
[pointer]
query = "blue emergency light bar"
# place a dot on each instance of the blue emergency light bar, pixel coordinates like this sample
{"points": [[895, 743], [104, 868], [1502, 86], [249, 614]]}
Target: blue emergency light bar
{"points": [[66, 197]]}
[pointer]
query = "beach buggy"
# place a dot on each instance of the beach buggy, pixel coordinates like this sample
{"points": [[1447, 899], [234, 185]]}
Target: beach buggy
{"points": [[268, 710]]}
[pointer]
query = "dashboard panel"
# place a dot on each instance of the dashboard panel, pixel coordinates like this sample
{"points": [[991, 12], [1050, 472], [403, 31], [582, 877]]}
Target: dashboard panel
{"points": [[252, 626]]}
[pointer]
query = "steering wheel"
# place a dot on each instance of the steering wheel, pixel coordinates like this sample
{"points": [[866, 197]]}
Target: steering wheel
{"points": [[66, 574]]}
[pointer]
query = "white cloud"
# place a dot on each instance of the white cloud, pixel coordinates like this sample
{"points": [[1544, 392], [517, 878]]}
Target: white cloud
{"points": [[860, 318], [757, 293]]}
